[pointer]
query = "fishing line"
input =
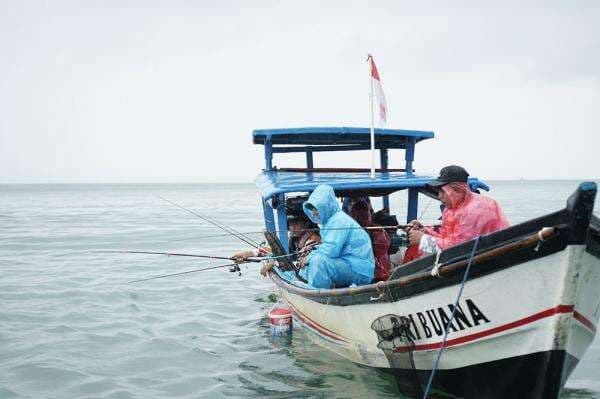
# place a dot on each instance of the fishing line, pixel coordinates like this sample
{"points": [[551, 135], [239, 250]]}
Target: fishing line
{"points": [[397, 227], [426, 207], [460, 291], [247, 240], [186, 272]]}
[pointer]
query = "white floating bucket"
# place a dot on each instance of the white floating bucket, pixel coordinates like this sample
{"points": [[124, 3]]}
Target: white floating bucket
{"points": [[280, 319]]}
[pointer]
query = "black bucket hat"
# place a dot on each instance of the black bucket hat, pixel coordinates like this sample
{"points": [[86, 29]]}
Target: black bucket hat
{"points": [[449, 174]]}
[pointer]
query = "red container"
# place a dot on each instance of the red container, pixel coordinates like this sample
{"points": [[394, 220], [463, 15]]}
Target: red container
{"points": [[280, 318]]}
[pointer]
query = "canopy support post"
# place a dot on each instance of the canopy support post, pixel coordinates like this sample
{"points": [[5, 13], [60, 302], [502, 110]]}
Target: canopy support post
{"points": [[268, 154], [383, 154], [309, 157], [409, 155], [282, 226], [413, 204]]}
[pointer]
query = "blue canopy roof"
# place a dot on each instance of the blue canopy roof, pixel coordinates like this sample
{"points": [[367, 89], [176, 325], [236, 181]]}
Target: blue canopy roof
{"points": [[273, 182], [361, 136]]}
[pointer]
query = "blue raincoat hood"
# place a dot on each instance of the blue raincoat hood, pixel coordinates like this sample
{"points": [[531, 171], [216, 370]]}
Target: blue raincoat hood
{"points": [[323, 199]]}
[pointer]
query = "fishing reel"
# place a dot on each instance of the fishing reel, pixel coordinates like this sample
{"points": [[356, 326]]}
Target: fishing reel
{"points": [[398, 240], [235, 269]]}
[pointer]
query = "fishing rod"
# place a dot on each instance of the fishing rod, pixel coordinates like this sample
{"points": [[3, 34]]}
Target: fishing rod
{"points": [[241, 236], [233, 267], [249, 259], [397, 227]]}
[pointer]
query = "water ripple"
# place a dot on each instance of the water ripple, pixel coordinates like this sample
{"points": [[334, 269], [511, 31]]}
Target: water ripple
{"points": [[71, 326]]}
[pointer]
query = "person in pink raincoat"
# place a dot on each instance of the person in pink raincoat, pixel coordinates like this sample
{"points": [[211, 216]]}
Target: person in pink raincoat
{"points": [[466, 214]]}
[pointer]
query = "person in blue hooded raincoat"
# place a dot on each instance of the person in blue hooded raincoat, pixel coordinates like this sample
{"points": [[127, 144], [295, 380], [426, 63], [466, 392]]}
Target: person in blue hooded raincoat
{"points": [[345, 255]]}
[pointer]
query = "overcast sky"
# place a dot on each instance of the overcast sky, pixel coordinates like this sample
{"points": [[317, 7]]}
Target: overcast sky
{"points": [[169, 91]]}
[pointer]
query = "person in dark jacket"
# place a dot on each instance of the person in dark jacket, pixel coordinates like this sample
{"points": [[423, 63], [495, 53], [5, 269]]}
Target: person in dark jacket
{"points": [[380, 241]]}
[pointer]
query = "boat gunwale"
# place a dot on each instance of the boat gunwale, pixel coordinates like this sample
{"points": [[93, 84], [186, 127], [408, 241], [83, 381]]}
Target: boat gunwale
{"points": [[420, 276]]}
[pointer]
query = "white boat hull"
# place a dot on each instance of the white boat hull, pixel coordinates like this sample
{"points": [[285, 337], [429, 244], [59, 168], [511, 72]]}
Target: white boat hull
{"points": [[549, 304]]}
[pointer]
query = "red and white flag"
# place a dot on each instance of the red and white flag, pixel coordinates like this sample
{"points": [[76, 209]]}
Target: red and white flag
{"points": [[378, 92]]}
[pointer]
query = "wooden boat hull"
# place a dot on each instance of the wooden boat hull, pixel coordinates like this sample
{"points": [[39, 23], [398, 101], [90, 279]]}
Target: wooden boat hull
{"points": [[525, 319]]}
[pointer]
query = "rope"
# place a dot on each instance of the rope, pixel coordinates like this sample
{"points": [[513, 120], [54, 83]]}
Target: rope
{"points": [[460, 291], [435, 272], [378, 287], [540, 238]]}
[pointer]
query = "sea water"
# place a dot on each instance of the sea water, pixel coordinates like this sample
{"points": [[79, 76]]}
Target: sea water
{"points": [[71, 326]]}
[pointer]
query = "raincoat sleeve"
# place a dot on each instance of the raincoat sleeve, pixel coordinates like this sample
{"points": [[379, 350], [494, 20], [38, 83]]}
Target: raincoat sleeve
{"points": [[466, 229], [332, 242]]}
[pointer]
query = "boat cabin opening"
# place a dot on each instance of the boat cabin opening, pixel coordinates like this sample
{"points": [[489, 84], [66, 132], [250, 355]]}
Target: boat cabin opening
{"points": [[282, 188]]}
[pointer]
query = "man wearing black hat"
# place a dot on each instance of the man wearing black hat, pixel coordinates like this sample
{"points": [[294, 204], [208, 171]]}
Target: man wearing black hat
{"points": [[466, 214]]}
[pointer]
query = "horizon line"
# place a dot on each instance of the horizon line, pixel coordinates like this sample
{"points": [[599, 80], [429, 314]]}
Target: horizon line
{"points": [[242, 182]]}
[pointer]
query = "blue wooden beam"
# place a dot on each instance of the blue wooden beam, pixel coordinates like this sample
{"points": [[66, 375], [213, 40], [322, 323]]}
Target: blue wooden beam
{"points": [[268, 215], [413, 204], [383, 155]]}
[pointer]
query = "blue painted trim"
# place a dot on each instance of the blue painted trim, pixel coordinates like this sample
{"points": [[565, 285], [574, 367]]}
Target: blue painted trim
{"points": [[588, 186], [282, 226], [413, 204], [259, 135], [268, 215]]}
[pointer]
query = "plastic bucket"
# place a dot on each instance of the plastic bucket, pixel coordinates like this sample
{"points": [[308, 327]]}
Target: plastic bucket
{"points": [[280, 319]]}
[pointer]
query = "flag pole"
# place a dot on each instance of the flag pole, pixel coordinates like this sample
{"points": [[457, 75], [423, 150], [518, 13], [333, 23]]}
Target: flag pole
{"points": [[372, 118]]}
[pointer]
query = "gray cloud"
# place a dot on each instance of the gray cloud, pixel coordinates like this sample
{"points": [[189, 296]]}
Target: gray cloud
{"points": [[161, 91]]}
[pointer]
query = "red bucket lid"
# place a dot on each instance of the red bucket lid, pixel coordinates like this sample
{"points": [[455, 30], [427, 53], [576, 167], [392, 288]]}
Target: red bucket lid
{"points": [[280, 313]]}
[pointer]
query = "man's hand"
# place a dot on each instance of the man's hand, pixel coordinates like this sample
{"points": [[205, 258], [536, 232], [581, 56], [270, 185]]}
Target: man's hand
{"points": [[414, 236], [414, 225], [242, 256], [266, 268], [303, 261]]}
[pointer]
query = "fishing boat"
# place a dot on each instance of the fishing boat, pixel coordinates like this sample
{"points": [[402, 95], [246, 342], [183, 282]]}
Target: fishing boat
{"points": [[529, 308]]}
